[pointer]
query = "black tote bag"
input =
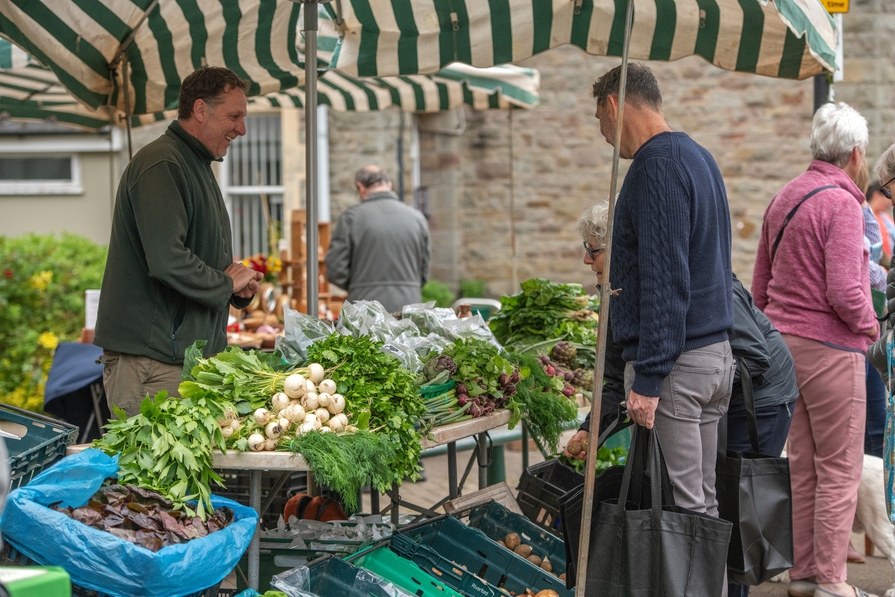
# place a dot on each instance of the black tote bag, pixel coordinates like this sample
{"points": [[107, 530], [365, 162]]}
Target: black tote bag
{"points": [[607, 486], [754, 493], [657, 551]]}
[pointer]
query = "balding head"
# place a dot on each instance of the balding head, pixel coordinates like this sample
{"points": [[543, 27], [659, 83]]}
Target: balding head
{"points": [[371, 179]]}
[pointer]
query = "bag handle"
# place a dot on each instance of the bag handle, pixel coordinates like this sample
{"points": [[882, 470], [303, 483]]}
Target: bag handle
{"points": [[751, 419], [791, 213], [645, 451]]}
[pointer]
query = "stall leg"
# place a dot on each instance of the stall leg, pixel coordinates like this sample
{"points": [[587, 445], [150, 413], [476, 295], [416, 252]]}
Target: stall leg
{"points": [[255, 544], [453, 489], [524, 447], [483, 461], [497, 471]]}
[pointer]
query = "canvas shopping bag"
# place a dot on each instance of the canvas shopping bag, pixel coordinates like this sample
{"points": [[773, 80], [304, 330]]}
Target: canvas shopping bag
{"points": [[607, 486], [658, 550], [754, 493]]}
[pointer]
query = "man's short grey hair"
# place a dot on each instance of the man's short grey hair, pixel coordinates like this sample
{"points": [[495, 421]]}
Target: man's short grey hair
{"points": [[836, 130], [370, 175], [593, 224], [885, 166]]}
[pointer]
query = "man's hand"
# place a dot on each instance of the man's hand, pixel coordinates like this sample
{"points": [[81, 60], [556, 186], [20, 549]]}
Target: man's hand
{"points": [[642, 409], [245, 279], [579, 440]]}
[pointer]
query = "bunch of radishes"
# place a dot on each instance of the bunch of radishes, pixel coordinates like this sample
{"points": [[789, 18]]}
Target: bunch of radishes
{"points": [[306, 404], [555, 370]]}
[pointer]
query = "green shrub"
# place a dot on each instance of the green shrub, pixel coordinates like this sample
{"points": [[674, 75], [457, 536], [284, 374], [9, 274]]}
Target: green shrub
{"points": [[42, 286], [439, 292], [472, 288]]}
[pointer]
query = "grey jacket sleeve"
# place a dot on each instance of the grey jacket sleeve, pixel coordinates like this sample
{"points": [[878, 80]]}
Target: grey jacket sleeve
{"points": [[427, 253], [338, 257]]}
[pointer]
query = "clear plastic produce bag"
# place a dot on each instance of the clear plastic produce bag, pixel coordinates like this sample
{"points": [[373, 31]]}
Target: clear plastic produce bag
{"points": [[301, 330], [101, 561]]}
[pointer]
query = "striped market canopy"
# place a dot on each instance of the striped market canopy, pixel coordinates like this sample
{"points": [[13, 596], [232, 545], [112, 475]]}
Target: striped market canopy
{"points": [[791, 39], [31, 92]]}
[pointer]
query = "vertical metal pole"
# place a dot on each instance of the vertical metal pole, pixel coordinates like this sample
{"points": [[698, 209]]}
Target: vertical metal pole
{"points": [[594, 433], [255, 543], [515, 274], [127, 108], [310, 31], [483, 469], [453, 492]]}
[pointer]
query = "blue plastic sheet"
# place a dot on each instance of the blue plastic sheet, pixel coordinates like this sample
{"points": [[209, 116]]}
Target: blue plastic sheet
{"points": [[100, 561]]}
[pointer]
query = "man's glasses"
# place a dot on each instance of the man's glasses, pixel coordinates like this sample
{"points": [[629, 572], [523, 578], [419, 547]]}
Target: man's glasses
{"points": [[884, 190], [592, 253]]}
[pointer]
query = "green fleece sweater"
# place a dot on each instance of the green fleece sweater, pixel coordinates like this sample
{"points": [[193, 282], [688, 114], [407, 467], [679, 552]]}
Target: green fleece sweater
{"points": [[164, 286]]}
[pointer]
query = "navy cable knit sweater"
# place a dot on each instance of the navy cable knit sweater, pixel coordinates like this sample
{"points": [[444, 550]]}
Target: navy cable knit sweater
{"points": [[671, 239]]}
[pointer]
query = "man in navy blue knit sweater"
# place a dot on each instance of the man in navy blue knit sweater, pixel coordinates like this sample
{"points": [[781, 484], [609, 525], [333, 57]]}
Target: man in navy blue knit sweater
{"points": [[671, 239]]}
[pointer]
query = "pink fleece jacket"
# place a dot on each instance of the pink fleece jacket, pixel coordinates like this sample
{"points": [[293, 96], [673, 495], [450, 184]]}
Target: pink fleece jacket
{"points": [[818, 286]]}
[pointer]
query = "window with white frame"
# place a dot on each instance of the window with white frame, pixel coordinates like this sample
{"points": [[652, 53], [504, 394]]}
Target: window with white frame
{"points": [[252, 184]]}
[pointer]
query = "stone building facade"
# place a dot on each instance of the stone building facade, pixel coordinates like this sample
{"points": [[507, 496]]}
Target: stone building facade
{"points": [[550, 162]]}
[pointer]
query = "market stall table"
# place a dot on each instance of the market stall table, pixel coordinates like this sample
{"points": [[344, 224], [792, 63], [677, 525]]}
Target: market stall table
{"points": [[256, 462]]}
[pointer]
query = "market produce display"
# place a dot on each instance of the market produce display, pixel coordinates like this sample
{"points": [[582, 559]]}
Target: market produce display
{"points": [[145, 518], [545, 313]]}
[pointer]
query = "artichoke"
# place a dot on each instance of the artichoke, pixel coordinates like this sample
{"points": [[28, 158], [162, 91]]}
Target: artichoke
{"points": [[564, 353], [583, 378]]}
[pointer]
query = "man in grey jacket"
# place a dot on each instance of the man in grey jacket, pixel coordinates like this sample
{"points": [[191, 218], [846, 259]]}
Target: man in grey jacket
{"points": [[380, 249]]}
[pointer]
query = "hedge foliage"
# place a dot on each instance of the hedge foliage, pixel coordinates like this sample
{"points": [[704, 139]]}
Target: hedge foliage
{"points": [[42, 284]]}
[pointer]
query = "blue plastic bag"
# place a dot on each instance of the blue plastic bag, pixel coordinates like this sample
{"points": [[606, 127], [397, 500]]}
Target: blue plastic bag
{"points": [[100, 561]]}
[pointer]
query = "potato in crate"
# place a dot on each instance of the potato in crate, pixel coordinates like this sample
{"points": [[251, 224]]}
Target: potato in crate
{"points": [[512, 530], [470, 548]]}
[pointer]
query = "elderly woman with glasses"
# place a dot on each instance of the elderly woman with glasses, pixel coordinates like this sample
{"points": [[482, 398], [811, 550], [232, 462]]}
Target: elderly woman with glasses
{"points": [[592, 226]]}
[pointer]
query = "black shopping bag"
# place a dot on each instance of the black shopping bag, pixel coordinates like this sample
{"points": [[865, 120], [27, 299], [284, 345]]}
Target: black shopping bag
{"points": [[754, 493], [656, 551], [607, 486]]}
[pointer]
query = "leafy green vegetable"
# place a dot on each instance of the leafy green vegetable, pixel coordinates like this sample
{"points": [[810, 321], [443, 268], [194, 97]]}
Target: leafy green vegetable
{"points": [[606, 457], [168, 448], [346, 462], [247, 378], [379, 393], [545, 409], [544, 313]]}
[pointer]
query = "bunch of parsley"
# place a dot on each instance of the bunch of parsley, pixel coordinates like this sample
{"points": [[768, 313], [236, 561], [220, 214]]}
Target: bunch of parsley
{"points": [[380, 395]]}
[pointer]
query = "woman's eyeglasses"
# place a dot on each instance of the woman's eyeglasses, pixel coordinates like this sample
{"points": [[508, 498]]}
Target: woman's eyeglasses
{"points": [[884, 190], [592, 253]]}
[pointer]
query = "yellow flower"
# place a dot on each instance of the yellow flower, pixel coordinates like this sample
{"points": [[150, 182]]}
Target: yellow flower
{"points": [[42, 280], [274, 265], [48, 340]]}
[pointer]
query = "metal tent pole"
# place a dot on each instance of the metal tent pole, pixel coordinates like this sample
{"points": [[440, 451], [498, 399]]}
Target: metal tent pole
{"points": [[310, 30], [605, 291]]}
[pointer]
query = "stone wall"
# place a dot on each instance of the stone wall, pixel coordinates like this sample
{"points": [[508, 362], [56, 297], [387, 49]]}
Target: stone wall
{"points": [[756, 127]]}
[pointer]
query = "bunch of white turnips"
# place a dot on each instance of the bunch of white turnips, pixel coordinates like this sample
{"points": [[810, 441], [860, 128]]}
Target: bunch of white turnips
{"points": [[305, 405]]}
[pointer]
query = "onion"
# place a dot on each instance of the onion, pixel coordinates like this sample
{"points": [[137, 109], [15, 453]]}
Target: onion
{"points": [[295, 412], [256, 442], [335, 424], [325, 429], [310, 387], [227, 431], [270, 445], [336, 404], [328, 386], [305, 428], [235, 425], [261, 416], [294, 386], [315, 372], [322, 415], [340, 420], [323, 399], [279, 401]]}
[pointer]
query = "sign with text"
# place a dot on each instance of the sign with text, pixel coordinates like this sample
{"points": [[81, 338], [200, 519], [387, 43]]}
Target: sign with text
{"points": [[836, 5]]}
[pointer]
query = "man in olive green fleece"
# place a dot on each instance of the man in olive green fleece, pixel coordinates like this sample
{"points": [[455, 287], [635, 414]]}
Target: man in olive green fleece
{"points": [[170, 276]]}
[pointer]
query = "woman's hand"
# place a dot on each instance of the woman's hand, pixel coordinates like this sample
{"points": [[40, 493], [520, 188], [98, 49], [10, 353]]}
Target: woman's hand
{"points": [[579, 440]]}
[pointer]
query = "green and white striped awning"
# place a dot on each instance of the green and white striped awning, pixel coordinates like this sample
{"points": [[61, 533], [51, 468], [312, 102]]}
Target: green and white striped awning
{"points": [[791, 39], [30, 92]]}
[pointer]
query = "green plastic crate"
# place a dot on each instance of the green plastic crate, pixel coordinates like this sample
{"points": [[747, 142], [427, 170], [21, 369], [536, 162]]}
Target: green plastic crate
{"points": [[403, 573], [35, 581], [41, 442], [442, 568], [473, 550], [331, 577], [497, 521]]}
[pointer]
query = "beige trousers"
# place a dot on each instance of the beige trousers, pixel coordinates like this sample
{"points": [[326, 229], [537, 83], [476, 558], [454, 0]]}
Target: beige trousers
{"points": [[129, 378]]}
